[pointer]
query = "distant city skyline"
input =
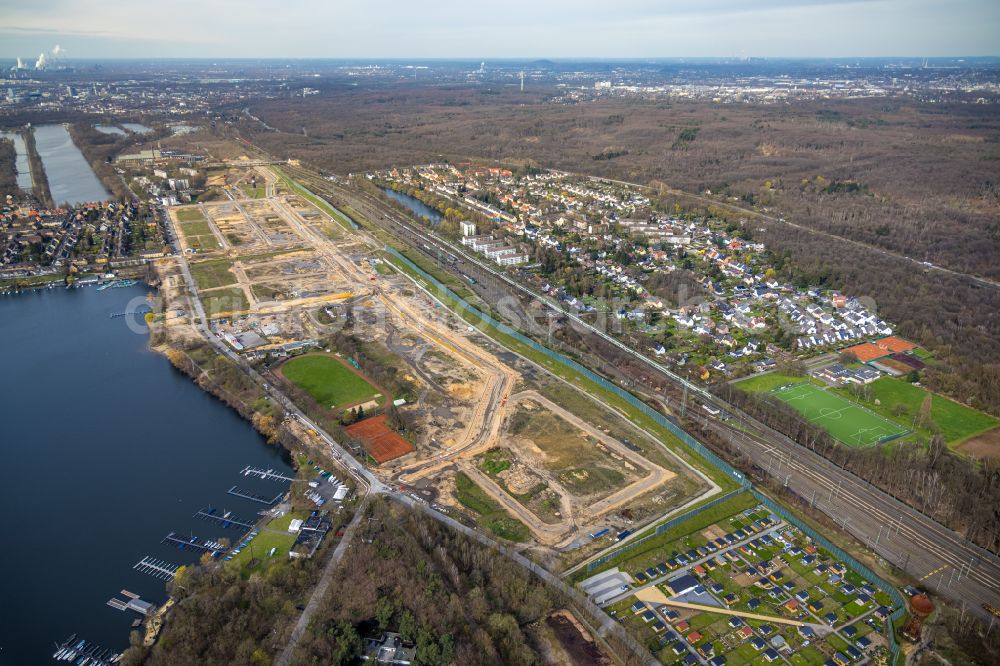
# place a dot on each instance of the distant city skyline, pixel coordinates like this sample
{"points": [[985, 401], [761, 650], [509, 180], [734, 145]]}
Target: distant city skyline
{"points": [[516, 28]]}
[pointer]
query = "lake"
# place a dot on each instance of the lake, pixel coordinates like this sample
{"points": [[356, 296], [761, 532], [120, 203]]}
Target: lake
{"points": [[136, 128], [110, 129], [21, 161], [106, 449], [415, 205], [71, 180]]}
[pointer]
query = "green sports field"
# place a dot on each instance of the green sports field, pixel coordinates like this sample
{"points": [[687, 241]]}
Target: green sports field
{"points": [[846, 421], [956, 422], [328, 381]]}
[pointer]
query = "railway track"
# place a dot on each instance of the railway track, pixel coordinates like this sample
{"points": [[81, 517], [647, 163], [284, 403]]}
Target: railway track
{"points": [[918, 544]]}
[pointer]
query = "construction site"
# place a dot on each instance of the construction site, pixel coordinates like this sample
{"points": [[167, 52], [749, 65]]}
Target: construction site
{"points": [[496, 438]]}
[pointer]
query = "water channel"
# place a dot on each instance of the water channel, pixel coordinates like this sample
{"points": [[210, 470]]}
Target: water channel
{"points": [[415, 205]]}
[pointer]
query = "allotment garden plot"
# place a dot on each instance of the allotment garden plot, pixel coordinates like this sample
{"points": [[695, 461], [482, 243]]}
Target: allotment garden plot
{"points": [[846, 421], [746, 588]]}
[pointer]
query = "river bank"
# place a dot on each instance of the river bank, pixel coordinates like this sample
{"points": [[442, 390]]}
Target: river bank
{"points": [[174, 335], [57, 279], [22, 166], [99, 149], [39, 180]]}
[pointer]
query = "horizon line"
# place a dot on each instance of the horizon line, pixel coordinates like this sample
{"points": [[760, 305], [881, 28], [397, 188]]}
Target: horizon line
{"points": [[481, 58]]}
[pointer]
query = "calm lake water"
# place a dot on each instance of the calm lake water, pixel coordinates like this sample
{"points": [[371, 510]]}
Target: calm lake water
{"points": [[110, 129], [136, 128], [415, 205], [106, 449], [71, 180], [21, 161]]}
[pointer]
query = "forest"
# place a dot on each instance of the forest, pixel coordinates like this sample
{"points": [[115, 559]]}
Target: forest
{"points": [[221, 617], [454, 599]]}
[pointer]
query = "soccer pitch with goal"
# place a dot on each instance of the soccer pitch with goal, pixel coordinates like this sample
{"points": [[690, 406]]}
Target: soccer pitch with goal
{"points": [[846, 421]]}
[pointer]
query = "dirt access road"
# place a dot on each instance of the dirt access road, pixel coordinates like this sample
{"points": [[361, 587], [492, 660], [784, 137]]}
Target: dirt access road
{"points": [[483, 427], [656, 476]]}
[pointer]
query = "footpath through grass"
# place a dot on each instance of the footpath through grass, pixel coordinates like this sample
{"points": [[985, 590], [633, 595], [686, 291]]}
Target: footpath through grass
{"points": [[314, 200], [491, 514], [253, 192], [327, 380]]}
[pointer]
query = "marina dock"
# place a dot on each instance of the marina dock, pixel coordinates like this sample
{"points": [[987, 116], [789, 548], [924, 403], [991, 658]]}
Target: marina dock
{"points": [[157, 568], [265, 474], [227, 518], [138, 311], [255, 498], [117, 284], [194, 543], [81, 651]]}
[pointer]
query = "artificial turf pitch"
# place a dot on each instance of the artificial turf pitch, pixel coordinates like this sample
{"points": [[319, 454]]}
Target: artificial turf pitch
{"points": [[845, 420]]}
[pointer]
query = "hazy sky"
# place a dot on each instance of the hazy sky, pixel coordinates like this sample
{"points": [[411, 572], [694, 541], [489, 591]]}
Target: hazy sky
{"points": [[493, 29]]}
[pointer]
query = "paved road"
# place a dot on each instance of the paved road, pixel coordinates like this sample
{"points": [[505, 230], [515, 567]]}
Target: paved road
{"points": [[900, 534], [319, 592], [604, 624], [655, 475]]}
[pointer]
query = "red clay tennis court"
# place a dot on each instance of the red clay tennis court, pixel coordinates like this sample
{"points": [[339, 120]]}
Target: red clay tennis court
{"points": [[382, 443], [869, 351], [895, 344], [866, 351]]}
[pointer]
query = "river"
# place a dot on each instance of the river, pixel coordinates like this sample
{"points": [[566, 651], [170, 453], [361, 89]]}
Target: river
{"points": [[71, 180], [21, 161], [106, 449], [415, 205]]}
